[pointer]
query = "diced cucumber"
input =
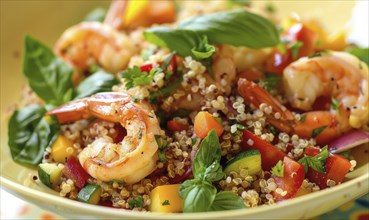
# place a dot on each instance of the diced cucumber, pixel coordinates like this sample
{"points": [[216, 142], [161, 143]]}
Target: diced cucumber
{"points": [[90, 194], [249, 160], [50, 174]]}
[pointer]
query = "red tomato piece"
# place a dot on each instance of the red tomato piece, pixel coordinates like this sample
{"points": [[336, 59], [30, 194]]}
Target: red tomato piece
{"points": [[146, 68], [279, 60], [75, 171], [270, 155], [336, 167], [175, 125], [292, 179]]}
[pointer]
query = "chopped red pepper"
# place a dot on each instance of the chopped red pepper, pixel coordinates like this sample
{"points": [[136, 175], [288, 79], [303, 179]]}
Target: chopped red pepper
{"points": [[73, 170], [270, 155], [146, 68]]}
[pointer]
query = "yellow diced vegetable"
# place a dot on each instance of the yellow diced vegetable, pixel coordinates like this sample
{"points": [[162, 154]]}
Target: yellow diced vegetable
{"points": [[166, 199], [62, 149], [336, 41]]}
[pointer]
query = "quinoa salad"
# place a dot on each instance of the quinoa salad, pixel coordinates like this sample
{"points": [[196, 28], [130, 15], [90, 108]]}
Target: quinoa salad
{"points": [[191, 106]]}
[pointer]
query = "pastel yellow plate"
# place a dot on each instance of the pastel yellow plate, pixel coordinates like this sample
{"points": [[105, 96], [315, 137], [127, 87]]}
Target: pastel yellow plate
{"points": [[46, 21]]}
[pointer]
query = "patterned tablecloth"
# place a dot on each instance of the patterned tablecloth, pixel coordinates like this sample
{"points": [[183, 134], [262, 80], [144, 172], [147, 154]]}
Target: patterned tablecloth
{"points": [[15, 208]]}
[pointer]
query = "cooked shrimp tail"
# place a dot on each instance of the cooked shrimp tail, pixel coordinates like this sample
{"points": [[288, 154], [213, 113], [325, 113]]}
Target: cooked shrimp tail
{"points": [[132, 159]]}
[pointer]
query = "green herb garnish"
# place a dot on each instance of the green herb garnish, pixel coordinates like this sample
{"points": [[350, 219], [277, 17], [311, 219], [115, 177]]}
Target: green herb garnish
{"points": [[316, 162], [199, 194], [137, 202], [278, 169]]}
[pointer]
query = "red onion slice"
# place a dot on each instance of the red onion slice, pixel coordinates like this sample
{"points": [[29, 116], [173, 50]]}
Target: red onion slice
{"points": [[349, 140]]}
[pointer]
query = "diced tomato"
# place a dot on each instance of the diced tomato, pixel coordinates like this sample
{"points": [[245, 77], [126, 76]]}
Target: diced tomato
{"points": [[175, 125], [204, 123], [336, 167], [270, 155], [292, 179], [146, 68], [300, 32], [75, 171], [311, 151], [279, 60]]}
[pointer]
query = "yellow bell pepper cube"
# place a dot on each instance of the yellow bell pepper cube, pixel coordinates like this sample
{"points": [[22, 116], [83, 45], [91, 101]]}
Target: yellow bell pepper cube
{"points": [[62, 149], [166, 199]]}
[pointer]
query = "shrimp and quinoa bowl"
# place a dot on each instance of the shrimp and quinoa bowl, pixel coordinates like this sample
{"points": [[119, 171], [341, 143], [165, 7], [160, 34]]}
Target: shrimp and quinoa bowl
{"points": [[176, 106]]}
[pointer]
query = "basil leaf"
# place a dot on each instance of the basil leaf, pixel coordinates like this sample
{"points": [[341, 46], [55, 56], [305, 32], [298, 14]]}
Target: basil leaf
{"points": [[227, 201], [97, 82], [186, 186], [98, 14], [199, 197], [48, 76], [209, 152], [237, 28], [214, 172], [203, 50], [30, 133], [361, 53], [179, 41]]}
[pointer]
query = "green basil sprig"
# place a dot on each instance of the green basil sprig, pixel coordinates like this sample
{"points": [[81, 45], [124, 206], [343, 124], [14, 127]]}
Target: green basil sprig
{"points": [[48, 76], [237, 28], [199, 195], [98, 82], [30, 133]]}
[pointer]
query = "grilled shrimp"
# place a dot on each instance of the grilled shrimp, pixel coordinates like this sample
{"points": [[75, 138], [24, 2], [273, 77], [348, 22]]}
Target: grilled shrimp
{"points": [[132, 159], [91, 43], [335, 74]]}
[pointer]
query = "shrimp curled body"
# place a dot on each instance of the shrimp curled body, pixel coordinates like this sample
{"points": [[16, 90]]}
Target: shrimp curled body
{"points": [[91, 43], [132, 159], [335, 74]]}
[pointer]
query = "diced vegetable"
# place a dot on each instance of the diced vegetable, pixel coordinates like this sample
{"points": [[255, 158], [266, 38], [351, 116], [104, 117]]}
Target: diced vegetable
{"points": [[291, 181], [336, 168], [283, 56], [90, 194], [175, 125], [75, 171], [50, 174], [166, 199], [348, 141], [62, 149], [146, 68], [249, 160], [132, 14], [204, 122], [270, 155]]}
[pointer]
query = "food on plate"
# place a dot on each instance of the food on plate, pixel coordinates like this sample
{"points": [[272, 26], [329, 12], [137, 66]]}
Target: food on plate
{"points": [[170, 106]]}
